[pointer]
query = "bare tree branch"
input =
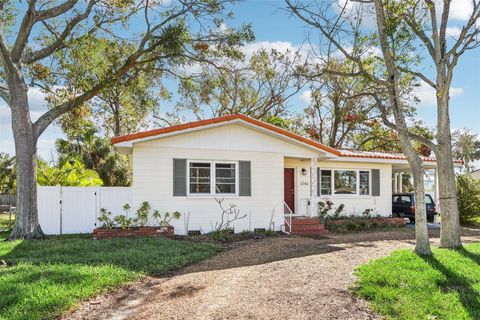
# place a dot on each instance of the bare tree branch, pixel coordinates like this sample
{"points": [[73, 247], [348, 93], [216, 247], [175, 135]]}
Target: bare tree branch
{"points": [[24, 32], [55, 11]]}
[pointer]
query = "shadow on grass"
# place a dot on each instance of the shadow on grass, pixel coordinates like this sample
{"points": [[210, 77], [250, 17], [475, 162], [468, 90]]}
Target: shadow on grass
{"points": [[475, 257], [459, 284], [43, 278]]}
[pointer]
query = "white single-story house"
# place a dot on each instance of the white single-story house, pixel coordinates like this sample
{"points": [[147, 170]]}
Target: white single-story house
{"points": [[267, 172]]}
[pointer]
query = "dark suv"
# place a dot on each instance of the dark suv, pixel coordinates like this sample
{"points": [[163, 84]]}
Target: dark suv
{"points": [[403, 205]]}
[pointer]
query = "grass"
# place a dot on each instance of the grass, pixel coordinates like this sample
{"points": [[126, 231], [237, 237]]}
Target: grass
{"points": [[43, 279], [407, 286], [472, 222]]}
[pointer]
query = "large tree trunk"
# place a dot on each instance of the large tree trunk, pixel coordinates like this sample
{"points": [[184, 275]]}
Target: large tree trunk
{"points": [[26, 219], [422, 244], [450, 232]]}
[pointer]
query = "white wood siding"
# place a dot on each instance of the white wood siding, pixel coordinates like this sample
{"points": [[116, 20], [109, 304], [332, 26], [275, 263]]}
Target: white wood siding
{"points": [[153, 177]]}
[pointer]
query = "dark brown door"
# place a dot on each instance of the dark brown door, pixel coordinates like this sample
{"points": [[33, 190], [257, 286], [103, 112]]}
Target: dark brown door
{"points": [[289, 187]]}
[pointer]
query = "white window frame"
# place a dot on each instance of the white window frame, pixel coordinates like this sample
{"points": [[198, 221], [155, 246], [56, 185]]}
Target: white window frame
{"points": [[357, 174], [212, 193]]}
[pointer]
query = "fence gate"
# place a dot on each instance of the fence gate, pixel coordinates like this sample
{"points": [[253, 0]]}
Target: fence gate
{"points": [[68, 210]]}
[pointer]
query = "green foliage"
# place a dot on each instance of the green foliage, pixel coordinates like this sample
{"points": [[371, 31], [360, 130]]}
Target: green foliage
{"points": [[123, 222], [165, 218], [381, 138], [105, 219], [140, 220], [466, 147], [367, 213], [123, 106], [324, 211], [141, 216], [221, 235], [405, 285], [69, 173], [259, 87], [46, 278], [357, 223], [468, 193], [7, 174], [96, 152]]}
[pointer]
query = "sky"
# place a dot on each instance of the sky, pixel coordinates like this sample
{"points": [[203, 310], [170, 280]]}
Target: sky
{"points": [[274, 28]]}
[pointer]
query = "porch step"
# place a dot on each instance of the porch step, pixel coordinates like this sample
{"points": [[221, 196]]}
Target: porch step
{"points": [[305, 221], [307, 226]]}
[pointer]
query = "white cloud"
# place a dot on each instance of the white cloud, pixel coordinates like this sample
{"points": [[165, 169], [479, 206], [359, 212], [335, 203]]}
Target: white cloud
{"points": [[453, 32], [461, 9], [46, 149], [359, 9], [306, 96], [7, 146], [426, 94]]}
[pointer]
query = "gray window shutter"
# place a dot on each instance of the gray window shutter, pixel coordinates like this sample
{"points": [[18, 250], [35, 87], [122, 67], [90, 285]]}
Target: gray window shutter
{"points": [[245, 178], [318, 182], [179, 177], [375, 182]]}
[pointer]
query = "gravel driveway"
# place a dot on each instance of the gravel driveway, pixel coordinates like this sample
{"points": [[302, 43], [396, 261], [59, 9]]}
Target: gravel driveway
{"points": [[273, 278]]}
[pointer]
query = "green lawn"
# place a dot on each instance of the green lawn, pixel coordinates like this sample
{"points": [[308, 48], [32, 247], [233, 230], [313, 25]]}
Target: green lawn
{"points": [[43, 279], [407, 286]]}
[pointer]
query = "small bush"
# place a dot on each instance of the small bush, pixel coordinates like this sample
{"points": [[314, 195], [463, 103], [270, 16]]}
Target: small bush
{"points": [[324, 211], [122, 221], [220, 235], [468, 192], [355, 223]]}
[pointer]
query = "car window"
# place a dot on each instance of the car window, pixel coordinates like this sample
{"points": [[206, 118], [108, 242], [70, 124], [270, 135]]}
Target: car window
{"points": [[402, 199], [428, 199]]}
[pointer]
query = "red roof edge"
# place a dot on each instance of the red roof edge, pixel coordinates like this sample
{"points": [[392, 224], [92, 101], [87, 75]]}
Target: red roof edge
{"points": [[201, 123], [258, 123]]}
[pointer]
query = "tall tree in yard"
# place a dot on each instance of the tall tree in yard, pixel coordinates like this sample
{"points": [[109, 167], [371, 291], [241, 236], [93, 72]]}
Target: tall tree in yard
{"points": [[424, 24], [259, 86], [389, 91], [34, 35]]}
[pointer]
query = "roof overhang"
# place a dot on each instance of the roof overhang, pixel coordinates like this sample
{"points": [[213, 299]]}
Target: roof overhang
{"points": [[125, 143]]}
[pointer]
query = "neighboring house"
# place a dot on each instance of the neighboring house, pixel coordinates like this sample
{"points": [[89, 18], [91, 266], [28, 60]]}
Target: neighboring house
{"points": [[262, 169]]}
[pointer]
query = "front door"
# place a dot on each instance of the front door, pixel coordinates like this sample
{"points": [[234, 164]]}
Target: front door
{"points": [[289, 187]]}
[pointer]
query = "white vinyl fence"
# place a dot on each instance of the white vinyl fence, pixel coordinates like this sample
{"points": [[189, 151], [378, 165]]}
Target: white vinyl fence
{"points": [[67, 210]]}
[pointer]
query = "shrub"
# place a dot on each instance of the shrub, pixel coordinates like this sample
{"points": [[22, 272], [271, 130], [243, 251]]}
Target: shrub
{"points": [[141, 218], [164, 219], [105, 219], [122, 221], [325, 208], [468, 192], [220, 235]]}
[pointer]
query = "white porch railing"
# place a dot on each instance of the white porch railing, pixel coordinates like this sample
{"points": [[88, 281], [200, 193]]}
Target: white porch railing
{"points": [[287, 217]]}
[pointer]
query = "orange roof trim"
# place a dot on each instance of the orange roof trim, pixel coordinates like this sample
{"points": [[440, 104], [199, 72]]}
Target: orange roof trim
{"points": [[201, 123], [261, 124]]}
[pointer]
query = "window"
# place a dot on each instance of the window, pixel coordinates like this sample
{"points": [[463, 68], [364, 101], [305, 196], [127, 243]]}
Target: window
{"points": [[364, 183], [325, 182], [402, 199], [345, 182], [225, 178], [200, 177], [428, 199], [212, 178]]}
